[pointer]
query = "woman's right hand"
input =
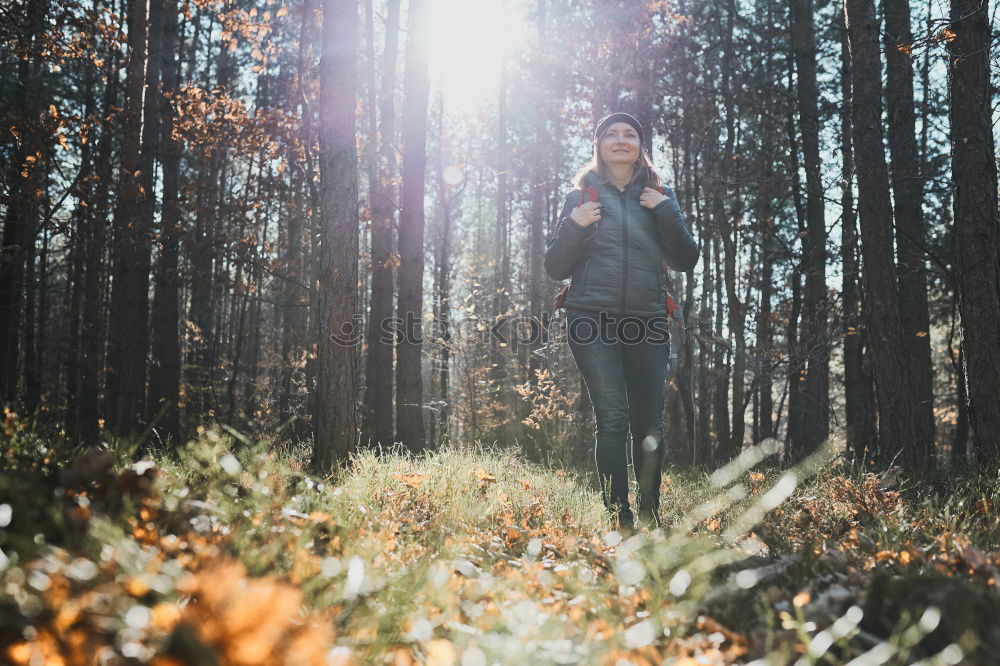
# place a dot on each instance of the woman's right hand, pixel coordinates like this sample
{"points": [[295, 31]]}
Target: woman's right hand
{"points": [[586, 214]]}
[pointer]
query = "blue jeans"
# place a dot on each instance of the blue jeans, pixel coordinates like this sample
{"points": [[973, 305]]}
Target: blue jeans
{"points": [[624, 365]]}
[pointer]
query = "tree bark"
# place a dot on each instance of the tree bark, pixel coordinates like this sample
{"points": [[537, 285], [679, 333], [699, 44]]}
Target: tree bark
{"points": [[796, 364], [378, 421], [409, 384], [908, 196], [859, 399], [537, 279], [128, 333], [977, 239], [92, 328], [295, 294], [165, 369], [24, 178], [731, 441], [337, 363], [72, 355], [720, 397], [815, 394], [500, 378], [442, 293], [895, 406]]}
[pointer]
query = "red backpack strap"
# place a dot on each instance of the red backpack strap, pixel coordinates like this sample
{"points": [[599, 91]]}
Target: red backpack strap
{"points": [[673, 309], [590, 194], [561, 297]]}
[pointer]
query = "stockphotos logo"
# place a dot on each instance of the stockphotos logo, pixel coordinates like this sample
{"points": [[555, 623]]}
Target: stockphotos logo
{"points": [[519, 330]]}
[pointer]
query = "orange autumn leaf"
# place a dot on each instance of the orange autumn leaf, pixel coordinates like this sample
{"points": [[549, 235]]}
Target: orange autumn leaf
{"points": [[412, 480], [248, 620], [510, 535], [20, 653], [440, 652]]}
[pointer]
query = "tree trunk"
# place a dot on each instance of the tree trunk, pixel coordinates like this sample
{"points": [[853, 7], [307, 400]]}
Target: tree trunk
{"points": [[165, 369], [295, 295], [378, 422], [337, 363], [815, 393], [765, 345], [796, 364], [199, 396], [34, 323], [92, 328], [977, 264], [500, 378], [706, 346], [442, 294], [895, 406], [24, 178], [860, 403], [128, 333], [908, 196], [71, 355], [409, 384], [686, 366], [537, 280], [720, 397]]}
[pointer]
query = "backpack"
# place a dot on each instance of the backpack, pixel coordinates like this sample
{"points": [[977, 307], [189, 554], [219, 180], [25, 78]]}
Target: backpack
{"points": [[673, 309]]}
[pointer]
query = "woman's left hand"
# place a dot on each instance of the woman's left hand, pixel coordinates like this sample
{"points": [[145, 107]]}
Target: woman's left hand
{"points": [[650, 197]]}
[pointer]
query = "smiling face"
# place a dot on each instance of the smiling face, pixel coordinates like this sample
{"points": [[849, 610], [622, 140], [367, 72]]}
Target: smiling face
{"points": [[619, 144]]}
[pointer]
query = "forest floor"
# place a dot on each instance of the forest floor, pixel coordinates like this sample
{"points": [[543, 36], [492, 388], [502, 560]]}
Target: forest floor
{"points": [[231, 553]]}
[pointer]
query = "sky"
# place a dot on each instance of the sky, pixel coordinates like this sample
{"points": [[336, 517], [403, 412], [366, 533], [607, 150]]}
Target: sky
{"points": [[467, 43]]}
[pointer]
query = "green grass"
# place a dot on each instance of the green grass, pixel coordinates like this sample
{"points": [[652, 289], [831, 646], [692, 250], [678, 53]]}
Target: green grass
{"points": [[473, 551]]}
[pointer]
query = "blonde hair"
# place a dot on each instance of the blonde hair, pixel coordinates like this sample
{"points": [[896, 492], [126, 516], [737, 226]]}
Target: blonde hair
{"points": [[643, 170]]}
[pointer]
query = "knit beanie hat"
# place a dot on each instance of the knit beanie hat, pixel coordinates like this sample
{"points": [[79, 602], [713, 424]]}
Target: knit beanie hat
{"points": [[619, 117]]}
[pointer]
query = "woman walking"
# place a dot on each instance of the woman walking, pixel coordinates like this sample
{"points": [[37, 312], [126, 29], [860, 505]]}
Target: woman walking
{"points": [[615, 231]]}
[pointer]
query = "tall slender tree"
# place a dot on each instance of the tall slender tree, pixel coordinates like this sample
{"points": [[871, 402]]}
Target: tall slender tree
{"points": [[378, 421], [977, 239], [25, 174], [128, 343], [858, 399], [895, 406], [302, 208], [908, 197], [815, 394], [93, 326], [409, 304], [337, 363], [165, 369], [727, 221]]}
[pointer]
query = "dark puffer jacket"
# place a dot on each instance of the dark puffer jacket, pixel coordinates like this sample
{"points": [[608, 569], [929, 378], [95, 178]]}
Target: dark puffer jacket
{"points": [[616, 264]]}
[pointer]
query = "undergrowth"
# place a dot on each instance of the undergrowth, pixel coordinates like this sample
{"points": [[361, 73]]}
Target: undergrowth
{"points": [[227, 552]]}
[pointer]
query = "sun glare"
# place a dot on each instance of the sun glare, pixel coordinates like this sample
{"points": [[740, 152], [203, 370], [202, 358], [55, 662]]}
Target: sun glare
{"points": [[468, 39]]}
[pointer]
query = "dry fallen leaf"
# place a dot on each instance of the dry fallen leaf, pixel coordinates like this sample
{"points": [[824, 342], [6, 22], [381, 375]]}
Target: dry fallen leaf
{"points": [[484, 476], [412, 480]]}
